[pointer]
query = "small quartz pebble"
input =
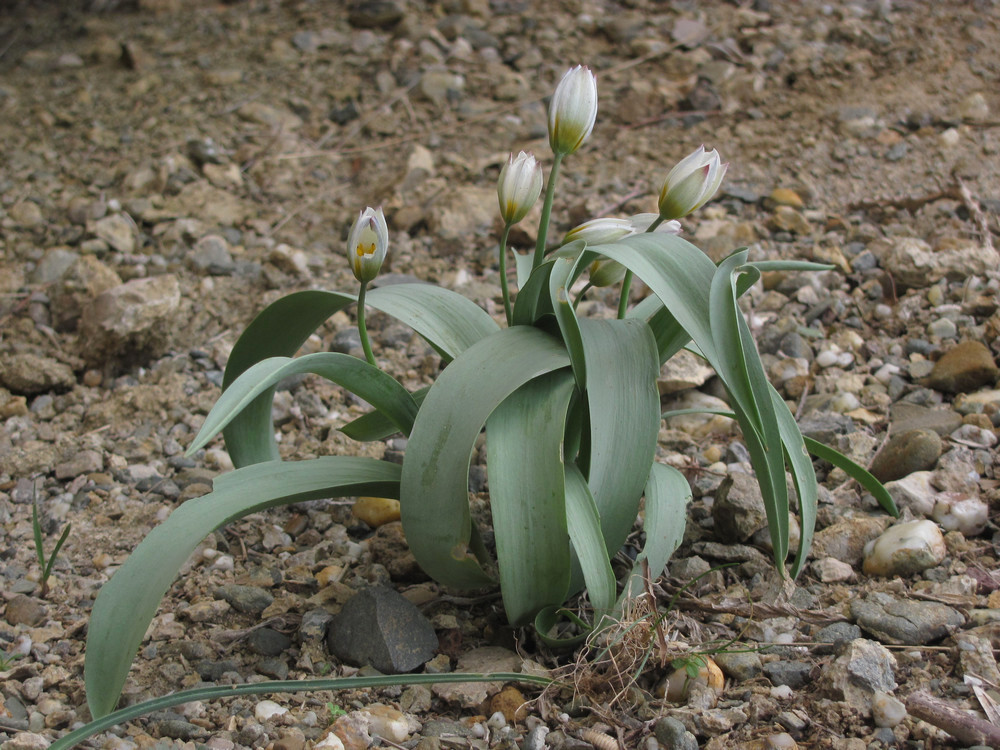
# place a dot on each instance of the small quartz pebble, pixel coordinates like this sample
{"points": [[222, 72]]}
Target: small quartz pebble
{"points": [[905, 548], [832, 570], [958, 512], [329, 742], [887, 711], [782, 741], [267, 710]]}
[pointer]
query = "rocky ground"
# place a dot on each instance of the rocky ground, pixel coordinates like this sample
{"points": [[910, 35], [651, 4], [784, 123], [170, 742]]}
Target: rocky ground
{"points": [[170, 166]]}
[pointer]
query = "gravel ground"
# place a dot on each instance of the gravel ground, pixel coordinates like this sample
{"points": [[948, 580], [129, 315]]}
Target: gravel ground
{"points": [[171, 166]]}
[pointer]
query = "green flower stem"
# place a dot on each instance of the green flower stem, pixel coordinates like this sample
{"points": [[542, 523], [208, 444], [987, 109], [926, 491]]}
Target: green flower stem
{"points": [[504, 284], [543, 225], [627, 281], [576, 302], [362, 328]]}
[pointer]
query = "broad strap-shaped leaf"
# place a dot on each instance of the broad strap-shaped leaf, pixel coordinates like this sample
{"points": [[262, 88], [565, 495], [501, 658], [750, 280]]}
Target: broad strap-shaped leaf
{"points": [[534, 299], [376, 387], [585, 533], [670, 335], [434, 484], [667, 496], [742, 373], [127, 603], [524, 447], [622, 367], [277, 331], [448, 321]]}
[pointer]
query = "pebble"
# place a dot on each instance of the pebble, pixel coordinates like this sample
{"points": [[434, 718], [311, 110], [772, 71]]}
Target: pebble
{"points": [[30, 374], [247, 599], [376, 511], [739, 665], [119, 231], [673, 735], [738, 510], [955, 511], [26, 610], [864, 667], [133, 318], [905, 453], [963, 368], [26, 741], [904, 549], [268, 710], [887, 711]]}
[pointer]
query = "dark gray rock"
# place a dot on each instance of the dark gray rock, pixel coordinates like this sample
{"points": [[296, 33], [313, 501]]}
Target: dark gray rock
{"points": [[379, 627], [314, 624], [739, 665], [673, 735], [248, 599], [835, 635], [268, 642], [794, 674], [904, 622]]}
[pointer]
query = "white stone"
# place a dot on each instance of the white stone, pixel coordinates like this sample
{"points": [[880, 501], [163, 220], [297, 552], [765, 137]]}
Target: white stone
{"points": [[958, 512], [329, 742], [905, 548], [887, 711], [267, 710], [915, 492], [832, 570]]}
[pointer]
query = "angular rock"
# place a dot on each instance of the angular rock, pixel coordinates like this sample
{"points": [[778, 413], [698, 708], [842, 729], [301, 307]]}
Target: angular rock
{"points": [[903, 454], [846, 540], [963, 368], [738, 510], [854, 676], [739, 665], [248, 599], [118, 231], [84, 462], [379, 627], [134, 318], [904, 549], [904, 622], [26, 610], [914, 264], [78, 287], [53, 265], [904, 416], [794, 674], [481, 660], [683, 371], [28, 374], [915, 492]]}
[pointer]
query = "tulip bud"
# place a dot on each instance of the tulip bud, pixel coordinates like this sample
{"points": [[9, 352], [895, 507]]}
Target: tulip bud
{"points": [[518, 188], [367, 244], [691, 183], [573, 110], [600, 231], [606, 272]]}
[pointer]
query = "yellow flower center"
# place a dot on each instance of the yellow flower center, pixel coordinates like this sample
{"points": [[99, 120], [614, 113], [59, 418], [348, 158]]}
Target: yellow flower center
{"points": [[365, 249]]}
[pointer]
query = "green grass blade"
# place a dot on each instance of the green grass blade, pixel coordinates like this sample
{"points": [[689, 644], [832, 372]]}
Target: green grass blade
{"points": [[126, 604], [36, 528], [858, 473], [55, 551], [376, 387], [524, 442], [622, 367], [667, 496], [277, 331], [790, 265], [448, 321], [434, 485], [375, 425], [569, 326], [584, 523], [215, 692]]}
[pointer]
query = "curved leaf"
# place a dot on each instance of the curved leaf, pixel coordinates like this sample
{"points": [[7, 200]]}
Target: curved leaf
{"points": [[375, 425], [434, 484], [277, 331], [622, 367], [858, 473], [374, 386], [448, 321], [803, 475], [126, 604], [584, 525], [524, 445], [667, 496]]}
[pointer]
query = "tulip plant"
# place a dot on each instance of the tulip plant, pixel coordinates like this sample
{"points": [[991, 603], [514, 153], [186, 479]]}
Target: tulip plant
{"points": [[569, 404]]}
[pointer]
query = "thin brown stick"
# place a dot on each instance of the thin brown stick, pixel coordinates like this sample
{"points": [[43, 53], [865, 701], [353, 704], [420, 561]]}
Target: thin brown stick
{"points": [[965, 727]]}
